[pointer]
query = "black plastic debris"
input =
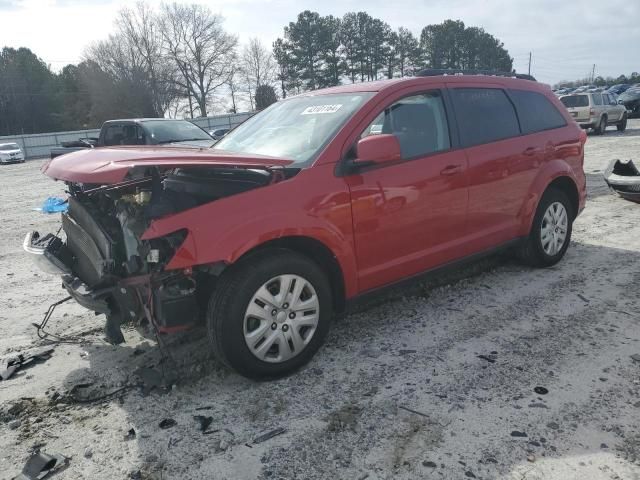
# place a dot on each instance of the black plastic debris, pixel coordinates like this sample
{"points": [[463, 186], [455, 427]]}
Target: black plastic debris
{"points": [[518, 434], [269, 435], [541, 390], [10, 365], [488, 358], [204, 422], [636, 357], [130, 435], [167, 423], [41, 465]]}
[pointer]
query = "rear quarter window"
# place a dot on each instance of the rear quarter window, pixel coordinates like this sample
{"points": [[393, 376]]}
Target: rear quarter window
{"points": [[575, 101], [536, 112], [484, 115]]}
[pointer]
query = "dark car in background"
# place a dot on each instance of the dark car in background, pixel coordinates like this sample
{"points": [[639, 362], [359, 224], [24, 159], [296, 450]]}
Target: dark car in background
{"points": [[619, 88], [631, 100], [142, 131]]}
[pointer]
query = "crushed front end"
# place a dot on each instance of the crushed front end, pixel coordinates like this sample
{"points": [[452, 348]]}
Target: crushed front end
{"points": [[107, 266]]}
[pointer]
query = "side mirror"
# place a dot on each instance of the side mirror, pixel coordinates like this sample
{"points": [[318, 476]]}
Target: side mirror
{"points": [[378, 149]]}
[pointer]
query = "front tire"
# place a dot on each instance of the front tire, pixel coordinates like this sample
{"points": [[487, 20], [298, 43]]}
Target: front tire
{"points": [[269, 314], [550, 233]]}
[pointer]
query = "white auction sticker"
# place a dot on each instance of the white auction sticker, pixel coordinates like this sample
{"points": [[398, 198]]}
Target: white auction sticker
{"points": [[321, 109]]}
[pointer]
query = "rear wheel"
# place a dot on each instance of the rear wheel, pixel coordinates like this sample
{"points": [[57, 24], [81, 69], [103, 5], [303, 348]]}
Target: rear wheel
{"points": [[550, 232], [622, 126], [269, 314], [602, 126]]}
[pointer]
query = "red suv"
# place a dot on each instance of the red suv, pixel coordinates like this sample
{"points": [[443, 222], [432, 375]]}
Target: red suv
{"points": [[312, 203]]}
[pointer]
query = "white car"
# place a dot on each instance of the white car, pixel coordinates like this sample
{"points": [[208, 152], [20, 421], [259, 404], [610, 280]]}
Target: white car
{"points": [[10, 153]]}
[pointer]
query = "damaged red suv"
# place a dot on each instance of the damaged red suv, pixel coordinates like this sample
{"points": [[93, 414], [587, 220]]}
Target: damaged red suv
{"points": [[312, 203]]}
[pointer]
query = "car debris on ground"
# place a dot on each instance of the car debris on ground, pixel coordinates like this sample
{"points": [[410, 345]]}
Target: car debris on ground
{"points": [[10, 365], [623, 177], [41, 465]]}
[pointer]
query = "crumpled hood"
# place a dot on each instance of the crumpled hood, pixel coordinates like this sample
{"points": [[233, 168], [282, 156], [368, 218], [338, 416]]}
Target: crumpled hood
{"points": [[112, 164]]}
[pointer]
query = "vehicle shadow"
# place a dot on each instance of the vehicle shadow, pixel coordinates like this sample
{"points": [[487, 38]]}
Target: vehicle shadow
{"points": [[417, 347]]}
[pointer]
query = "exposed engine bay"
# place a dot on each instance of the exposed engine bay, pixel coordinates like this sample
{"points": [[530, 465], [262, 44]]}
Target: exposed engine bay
{"points": [[107, 267]]}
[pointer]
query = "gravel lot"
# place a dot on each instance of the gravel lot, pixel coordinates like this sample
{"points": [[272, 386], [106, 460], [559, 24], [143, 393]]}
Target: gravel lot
{"points": [[399, 391]]}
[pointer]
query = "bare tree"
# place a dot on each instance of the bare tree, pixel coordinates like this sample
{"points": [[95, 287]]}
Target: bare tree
{"points": [[258, 67], [132, 56], [141, 29], [199, 48]]}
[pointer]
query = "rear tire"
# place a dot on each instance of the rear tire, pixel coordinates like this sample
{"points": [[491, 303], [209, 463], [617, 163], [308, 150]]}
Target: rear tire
{"points": [[622, 126], [602, 126], [542, 248], [237, 335]]}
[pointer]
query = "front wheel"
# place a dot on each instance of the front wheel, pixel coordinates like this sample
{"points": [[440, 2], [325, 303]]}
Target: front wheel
{"points": [[269, 314], [550, 232]]}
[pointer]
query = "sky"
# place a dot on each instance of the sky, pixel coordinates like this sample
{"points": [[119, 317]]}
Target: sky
{"points": [[565, 38]]}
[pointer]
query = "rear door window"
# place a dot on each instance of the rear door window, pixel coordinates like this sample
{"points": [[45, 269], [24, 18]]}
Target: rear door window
{"points": [[536, 112], [419, 122], [575, 101], [484, 115], [597, 99]]}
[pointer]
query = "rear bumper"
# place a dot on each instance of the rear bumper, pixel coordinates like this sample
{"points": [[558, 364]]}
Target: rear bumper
{"points": [[587, 124]]}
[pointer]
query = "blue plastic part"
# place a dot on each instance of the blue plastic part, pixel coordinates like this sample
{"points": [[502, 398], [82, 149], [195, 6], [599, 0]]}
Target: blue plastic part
{"points": [[54, 205]]}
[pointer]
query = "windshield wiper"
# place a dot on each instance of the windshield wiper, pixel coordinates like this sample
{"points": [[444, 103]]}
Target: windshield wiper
{"points": [[179, 140]]}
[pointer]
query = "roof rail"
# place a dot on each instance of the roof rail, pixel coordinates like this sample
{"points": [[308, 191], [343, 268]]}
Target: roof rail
{"points": [[434, 72]]}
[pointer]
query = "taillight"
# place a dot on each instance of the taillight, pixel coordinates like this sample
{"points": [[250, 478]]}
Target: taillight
{"points": [[583, 137], [592, 111]]}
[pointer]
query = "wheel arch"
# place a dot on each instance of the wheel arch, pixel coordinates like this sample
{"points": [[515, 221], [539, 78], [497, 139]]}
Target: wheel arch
{"points": [[557, 175], [566, 185], [317, 252]]}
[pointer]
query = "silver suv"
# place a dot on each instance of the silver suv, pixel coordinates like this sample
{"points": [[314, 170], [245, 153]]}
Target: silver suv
{"points": [[596, 110]]}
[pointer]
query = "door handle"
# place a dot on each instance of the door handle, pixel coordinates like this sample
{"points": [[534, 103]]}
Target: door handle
{"points": [[451, 170], [530, 152]]}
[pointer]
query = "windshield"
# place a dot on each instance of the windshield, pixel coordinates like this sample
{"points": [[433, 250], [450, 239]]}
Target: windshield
{"points": [[9, 146], [170, 131], [575, 101], [296, 129]]}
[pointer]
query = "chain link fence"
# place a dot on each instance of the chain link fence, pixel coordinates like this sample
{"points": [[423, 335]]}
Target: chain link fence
{"points": [[38, 145]]}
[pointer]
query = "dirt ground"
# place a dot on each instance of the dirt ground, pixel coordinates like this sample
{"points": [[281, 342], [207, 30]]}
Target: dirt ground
{"points": [[435, 381]]}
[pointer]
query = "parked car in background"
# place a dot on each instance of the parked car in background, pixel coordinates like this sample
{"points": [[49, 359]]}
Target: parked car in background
{"points": [[313, 203], [619, 88], [219, 133], [596, 111], [143, 131], [11, 153], [630, 98]]}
